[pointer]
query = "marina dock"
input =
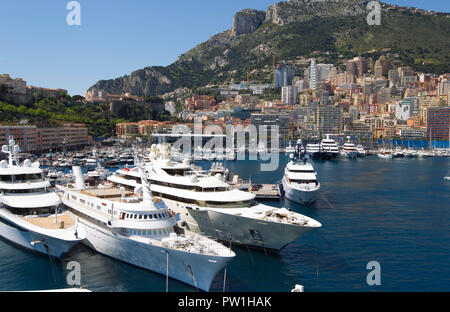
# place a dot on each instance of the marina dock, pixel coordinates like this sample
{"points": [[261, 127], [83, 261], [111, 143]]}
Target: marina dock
{"points": [[262, 191], [267, 192]]}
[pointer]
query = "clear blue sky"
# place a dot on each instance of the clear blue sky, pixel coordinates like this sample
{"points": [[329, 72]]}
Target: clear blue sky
{"points": [[116, 36]]}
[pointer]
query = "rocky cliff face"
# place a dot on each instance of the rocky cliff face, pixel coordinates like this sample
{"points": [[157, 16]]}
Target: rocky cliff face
{"points": [[247, 21], [141, 83], [290, 29], [283, 13]]}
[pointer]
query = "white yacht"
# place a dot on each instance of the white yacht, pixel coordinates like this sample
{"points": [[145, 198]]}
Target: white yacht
{"points": [[142, 231], [398, 153], [328, 148], [410, 153], [386, 154], [313, 150], [207, 204], [361, 152], [30, 215], [300, 183], [349, 150]]}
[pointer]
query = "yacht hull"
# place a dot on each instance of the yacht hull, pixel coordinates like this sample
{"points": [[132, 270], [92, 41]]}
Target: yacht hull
{"points": [[34, 241], [302, 197], [196, 270], [327, 155], [349, 154], [314, 155], [239, 229], [386, 156], [361, 155]]}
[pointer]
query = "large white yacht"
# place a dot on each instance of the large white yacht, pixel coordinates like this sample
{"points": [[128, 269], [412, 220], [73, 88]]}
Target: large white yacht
{"points": [[349, 150], [142, 231], [328, 148], [30, 215], [300, 183], [313, 150], [207, 204]]}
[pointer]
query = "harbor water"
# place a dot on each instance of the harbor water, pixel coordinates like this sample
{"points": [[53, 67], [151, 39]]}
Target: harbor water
{"points": [[395, 212]]}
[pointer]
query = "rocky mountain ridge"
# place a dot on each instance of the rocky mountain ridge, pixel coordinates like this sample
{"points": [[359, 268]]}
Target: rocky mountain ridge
{"points": [[290, 29]]}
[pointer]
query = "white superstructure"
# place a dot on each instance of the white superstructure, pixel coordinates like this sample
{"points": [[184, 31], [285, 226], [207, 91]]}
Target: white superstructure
{"points": [[209, 205], [328, 148], [349, 150], [313, 150], [142, 231], [300, 182], [30, 215], [361, 151]]}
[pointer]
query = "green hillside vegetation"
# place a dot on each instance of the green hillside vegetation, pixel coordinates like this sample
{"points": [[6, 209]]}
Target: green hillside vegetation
{"points": [[51, 113], [100, 121], [421, 41]]}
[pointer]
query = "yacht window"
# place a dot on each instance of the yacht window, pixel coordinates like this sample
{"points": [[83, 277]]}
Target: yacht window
{"points": [[237, 204], [140, 217], [304, 181], [150, 216], [176, 172], [28, 212], [6, 178], [22, 178], [82, 201], [145, 217], [25, 191], [135, 216], [99, 208], [159, 215]]}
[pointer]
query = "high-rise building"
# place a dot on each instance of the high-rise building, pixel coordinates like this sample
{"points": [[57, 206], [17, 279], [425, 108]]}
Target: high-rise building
{"points": [[284, 76], [438, 123], [329, 119], [358, 66], [443, 88], [361, 65], [289, 95], [282, 120], [382, 67], [313, 75], [323, 71]]}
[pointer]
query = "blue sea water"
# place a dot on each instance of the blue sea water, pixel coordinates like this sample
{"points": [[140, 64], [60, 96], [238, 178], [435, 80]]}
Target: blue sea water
{"points": [[396, 212]]}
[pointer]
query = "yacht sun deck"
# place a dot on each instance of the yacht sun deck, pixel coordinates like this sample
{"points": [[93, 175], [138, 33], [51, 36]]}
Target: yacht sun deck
{"points": [[52, 222]]}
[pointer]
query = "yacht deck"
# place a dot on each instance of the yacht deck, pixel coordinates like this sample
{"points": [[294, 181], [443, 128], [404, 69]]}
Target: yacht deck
{"points": [[65, 221]]}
